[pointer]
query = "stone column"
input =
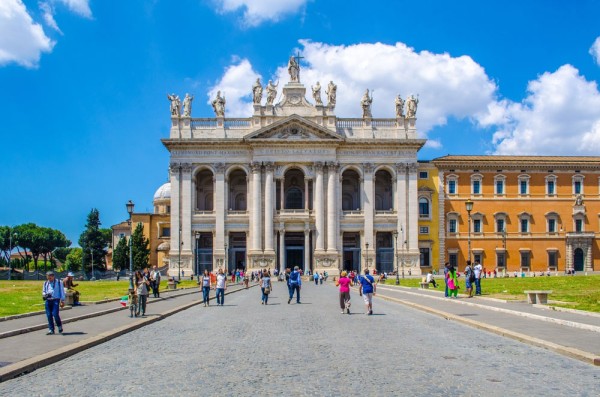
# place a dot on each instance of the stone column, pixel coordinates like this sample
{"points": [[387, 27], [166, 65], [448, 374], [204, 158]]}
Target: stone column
{"points": [[269, 200], [282, 248], [413, 209], [281, 193], [175, 173], [369, 208], [256, 217], [186, 211], [331, 206], [306, 206], [402, 207], [318, 206], [219, 206], [306, 248]]}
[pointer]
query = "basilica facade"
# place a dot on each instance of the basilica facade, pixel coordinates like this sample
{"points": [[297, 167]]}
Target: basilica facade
{"points": [[293, 185]]}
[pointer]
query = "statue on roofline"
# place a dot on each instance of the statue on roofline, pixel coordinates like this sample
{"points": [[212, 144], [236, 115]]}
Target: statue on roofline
{"points": [[218, 105], [316, 91], [366, 102], [399, 106], [294, 70], [331, 92], [411, 106], [271, 92], [187, 105], [175, 104], [257, 92]]}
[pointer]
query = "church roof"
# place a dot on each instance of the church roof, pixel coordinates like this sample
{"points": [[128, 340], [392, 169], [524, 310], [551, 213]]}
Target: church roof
{"points": [[163, 192]]}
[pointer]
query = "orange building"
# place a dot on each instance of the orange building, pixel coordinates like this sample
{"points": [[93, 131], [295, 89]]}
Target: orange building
{"points": [[530, 213]]}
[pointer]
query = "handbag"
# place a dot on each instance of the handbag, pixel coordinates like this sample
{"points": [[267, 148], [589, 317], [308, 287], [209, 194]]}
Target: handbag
{"points": [[267, 290]]}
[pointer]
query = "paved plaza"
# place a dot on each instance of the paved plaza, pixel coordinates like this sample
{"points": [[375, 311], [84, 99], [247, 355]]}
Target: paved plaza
{"points": [[244, 348]]}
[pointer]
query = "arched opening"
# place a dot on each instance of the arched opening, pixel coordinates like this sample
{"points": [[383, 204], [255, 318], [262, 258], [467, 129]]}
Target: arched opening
{"points": [[238, 189], [383, 191], [204, 191], [350, 191], [423, 207], [578, 260], [294, 190]]}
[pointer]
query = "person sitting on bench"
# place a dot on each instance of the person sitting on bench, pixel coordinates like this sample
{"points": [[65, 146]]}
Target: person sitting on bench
{"points": [[430, 279], [70, 287]]}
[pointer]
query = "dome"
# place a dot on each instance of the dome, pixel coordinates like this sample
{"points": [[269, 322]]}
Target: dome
{"points": [[163, 192]]}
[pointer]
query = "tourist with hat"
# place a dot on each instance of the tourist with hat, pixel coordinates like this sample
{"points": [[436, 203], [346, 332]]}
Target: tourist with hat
{"points": [[54, 295], [70, 286]]}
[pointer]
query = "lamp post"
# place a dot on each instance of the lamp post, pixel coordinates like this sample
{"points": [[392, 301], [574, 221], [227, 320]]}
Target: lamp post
{"points": [[10, 235], [469, 207], [129, 207], [226, 264], [197, 236], [179, 259], [92, 252], [402, 254], [396, 257], [367, 254]]}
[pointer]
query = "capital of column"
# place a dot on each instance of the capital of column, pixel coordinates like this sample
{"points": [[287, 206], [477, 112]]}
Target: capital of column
{"points": [[401, 167], [333, 166], [219, 167], [319, 166], [368, 167], [413, 167], [255, 166], [269, 166]]}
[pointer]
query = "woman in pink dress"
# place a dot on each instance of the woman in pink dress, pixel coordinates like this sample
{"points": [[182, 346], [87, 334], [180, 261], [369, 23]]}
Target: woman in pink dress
{"points": [[344, 284]]}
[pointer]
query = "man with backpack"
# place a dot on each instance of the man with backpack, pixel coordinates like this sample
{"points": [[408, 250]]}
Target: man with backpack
{"points": [[53, 294], [294, 284], [367, 289]]}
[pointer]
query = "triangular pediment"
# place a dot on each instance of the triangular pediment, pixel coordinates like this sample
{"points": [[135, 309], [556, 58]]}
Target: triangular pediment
{"points": [[294, 128]]}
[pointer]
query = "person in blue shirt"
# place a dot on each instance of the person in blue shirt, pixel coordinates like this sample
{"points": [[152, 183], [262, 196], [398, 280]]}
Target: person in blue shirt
{"points": [[54, 295], [294, 284], [368, 288]]}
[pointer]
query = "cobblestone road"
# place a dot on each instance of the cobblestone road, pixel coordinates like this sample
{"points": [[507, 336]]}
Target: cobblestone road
{"points": [[244, 348]]}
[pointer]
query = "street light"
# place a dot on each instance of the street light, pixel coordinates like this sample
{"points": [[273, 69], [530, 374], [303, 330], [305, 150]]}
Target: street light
{"points": [[197, 236], [367, 254], [227, 263], [469, 207], [129, 207], [179, 260], [402, 255], [396, 257]]}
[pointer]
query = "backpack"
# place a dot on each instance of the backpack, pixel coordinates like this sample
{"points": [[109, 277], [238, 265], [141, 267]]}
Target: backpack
{"points": [[294, 277], [470, 275]]}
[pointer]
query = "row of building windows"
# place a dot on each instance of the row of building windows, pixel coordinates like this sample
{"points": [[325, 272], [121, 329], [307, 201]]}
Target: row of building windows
{"points": [[523, 185], [524, 224], [524, 259]]}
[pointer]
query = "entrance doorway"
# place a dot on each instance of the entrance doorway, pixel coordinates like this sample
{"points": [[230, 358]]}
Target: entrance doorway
{"points": [[385, 253], [578, 260], [236, 255], [351, 255], [204, 253], [294, 250]]}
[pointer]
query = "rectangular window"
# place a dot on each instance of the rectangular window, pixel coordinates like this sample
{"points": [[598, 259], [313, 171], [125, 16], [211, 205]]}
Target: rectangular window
{"points": [[550, 187], [476, 225], [524, 225], [499, 225], [499, 187], [424, 257], [478, 258], [453, 259], [577, 187], [423, 175], [551, 225], [500, 259], [552, 259], [166, 232], [525, 262], [452, 187], [476, 187], [452, 226], [121, 235], [523, 187], [424, 230], [579, 225]]}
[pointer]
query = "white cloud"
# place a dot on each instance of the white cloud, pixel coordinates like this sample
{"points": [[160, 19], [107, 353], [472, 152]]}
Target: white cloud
{"points": [[48, 15], [560, 116], [236, 86], [595, 50], [21, 39], [81, 7], [259, 11]]}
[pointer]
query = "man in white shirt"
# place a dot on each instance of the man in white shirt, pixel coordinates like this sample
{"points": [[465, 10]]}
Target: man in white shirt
{"points": [[221, 287], [478, 270], [53, 293], [430, 279]]}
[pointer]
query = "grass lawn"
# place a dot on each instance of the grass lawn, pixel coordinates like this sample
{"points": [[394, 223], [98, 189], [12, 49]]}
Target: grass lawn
{"points": [[26, 296], [575, 292]]}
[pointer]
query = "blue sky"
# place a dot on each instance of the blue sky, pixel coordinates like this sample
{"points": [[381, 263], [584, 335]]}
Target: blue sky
{"points": [[85, 83]]}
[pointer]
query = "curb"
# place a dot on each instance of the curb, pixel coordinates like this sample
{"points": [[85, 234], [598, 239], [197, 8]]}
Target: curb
{"points": [[42, 360], [577, 354], [573, 324], [38, 327]]}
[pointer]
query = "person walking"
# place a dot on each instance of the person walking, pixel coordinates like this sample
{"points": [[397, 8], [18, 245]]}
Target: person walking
{"points": [[142, 283], [53, 293], [344, 284], [295, 284], [478, 271], [221, 287], [446, 269], [155, 282], [316, 278], [265, 287], [452, 282], [206, 286], [368, 288], [469, 279]]}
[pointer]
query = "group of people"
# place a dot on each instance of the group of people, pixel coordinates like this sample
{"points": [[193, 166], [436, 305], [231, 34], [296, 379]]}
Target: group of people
{"points": [[473, 275], [144, 281], [220, 285], [367, 288]]}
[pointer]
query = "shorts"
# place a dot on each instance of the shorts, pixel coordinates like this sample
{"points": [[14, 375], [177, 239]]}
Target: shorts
{"points": [[468, 284], [368, 298]]}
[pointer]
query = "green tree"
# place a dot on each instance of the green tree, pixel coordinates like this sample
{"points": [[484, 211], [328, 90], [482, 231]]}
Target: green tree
{"points": [[30, 238], [94, 240], [140, 248], [6, 243], [73, 260], [121, 255]]}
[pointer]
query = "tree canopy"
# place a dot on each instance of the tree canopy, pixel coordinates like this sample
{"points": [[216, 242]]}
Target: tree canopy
{"points": [[121, 255], [140, 248], [94, 242]]}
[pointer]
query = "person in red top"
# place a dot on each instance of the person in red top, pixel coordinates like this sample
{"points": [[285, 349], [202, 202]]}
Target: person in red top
{"points": [[344, 284], [351, 277]]}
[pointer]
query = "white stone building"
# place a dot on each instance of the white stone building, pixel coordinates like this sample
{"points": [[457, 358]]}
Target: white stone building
{"points": [[293, 185]]}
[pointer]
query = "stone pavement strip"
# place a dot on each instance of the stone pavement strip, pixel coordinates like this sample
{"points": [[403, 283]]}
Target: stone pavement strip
{"points": [[245, 348], [28, 350]]}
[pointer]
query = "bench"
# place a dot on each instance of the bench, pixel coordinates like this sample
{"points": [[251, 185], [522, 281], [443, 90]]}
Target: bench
{"points": [[69, 298], [539, 297], [424, 285], [171, 283]]}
